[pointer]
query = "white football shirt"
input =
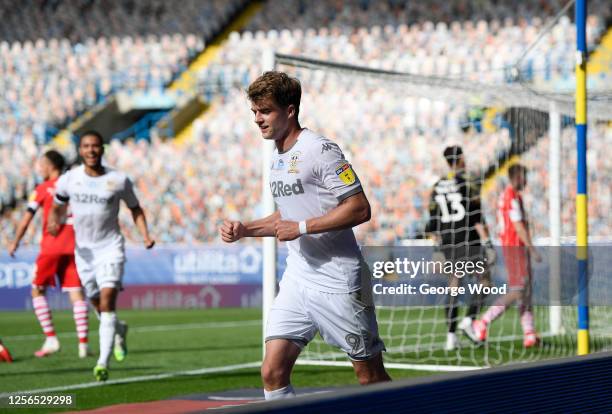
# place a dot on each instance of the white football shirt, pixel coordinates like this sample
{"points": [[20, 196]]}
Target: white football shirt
{"points": [[307, 181], [94, 202]]}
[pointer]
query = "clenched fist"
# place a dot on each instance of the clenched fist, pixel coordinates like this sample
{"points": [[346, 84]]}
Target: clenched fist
{"points": [[286, 230], [232, 231]]}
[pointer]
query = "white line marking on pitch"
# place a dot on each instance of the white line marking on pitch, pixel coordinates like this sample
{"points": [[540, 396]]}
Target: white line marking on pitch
{"points": [[152, 328], [201, 371], [416, 367]]}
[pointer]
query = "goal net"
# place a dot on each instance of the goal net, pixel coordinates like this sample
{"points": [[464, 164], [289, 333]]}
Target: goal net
{"points": [[393, 127]]}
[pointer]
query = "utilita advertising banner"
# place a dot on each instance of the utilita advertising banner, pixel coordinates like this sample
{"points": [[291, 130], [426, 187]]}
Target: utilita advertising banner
{"points": [[165, 277]]}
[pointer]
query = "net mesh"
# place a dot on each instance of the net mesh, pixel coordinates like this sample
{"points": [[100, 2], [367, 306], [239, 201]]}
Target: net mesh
{"points": [[393, 128]]}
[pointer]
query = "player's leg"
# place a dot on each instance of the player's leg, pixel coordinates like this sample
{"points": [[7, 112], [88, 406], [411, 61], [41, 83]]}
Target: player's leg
{"points": [[112, 276], [87, 274], [70, 282], [371, 370], [44, 275], [80, 314], [95, 303], [288, 330], [5, 355], [451, 309], [348, 321], [108, 322], [495, 311], [276, 368], [530, 336], [451, 316], [476, 302], [516, 284]]}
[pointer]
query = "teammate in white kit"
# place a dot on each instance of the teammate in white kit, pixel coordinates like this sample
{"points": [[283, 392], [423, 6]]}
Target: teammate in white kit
{"points": [[94, 192], [326, 285]]}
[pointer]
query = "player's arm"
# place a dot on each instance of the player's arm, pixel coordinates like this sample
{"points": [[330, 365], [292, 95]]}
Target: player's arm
{"points": [[56, 215], [483, 232], [138, 215], [480, 225], [59, 209], [140, 221], [22, 227], [351, 212], [34, 202], [516, 218], [232, 231], [433, 224], [473, 195], [523, 234]]}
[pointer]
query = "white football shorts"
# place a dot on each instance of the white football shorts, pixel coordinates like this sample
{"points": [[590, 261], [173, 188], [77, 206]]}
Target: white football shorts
{"points": [[99, 275], [342, 319]]}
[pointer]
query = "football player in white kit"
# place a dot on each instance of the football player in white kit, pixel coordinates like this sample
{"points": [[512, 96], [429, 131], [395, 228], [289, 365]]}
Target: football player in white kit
{"points": [[326, 285], [94, 191]]}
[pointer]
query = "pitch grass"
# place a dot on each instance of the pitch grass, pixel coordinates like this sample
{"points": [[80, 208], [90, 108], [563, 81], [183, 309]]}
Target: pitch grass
{"points": [[178, 340], [172, 343]]}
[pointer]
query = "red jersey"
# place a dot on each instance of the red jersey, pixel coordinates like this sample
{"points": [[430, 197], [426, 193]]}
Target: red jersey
{"points": [[510, 210], [63, 243]]}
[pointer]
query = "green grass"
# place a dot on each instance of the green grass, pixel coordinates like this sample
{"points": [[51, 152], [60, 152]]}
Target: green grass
{"points": [[164, 341], [152, 350]]}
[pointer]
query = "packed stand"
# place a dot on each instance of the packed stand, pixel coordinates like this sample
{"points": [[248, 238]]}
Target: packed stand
{"points": [[58, 59], [480, 43], [49, 74], [80, 20], [300, 14], [393, 138]]}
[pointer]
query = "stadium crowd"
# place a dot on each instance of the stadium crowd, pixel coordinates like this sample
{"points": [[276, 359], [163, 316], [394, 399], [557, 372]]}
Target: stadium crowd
{"points": [[393, 137], [406, 39], [52, 69]]}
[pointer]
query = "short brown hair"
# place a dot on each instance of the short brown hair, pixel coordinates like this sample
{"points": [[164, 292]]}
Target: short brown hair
{"points": [[279, 86], [515, 170]]}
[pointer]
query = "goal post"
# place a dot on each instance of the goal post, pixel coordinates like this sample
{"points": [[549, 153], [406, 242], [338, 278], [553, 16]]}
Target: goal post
{"points": [[269, 244]]}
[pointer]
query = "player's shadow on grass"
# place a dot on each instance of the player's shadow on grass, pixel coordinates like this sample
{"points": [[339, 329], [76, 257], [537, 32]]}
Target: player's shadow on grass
{"points": [[195, 349], [79, 370]]}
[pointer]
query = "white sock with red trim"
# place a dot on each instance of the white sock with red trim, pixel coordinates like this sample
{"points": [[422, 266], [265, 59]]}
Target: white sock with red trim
{"points": [[527, 322], [493, 313], [81, 320], [43, 314]]}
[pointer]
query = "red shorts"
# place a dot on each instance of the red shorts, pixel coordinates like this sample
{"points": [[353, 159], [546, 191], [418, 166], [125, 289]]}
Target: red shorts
{"points": [[62, 265], [517, 265]]}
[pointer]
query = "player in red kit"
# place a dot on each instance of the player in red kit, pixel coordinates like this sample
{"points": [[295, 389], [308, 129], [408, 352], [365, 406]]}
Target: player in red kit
{"points": [[518, 250], [56, 257], [5, 355]]}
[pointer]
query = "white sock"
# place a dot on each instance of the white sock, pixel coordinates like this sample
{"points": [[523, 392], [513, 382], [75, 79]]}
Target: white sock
{"points": [[108, 320], [280, 394]]}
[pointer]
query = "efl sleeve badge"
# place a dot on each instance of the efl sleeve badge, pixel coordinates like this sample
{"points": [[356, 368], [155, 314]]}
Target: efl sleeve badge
{"points": [[346, 174]]}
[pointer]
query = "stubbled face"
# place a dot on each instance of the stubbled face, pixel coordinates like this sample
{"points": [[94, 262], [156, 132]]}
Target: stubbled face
{"points": [[91, 150], [460, 164], [272, 120], [520, 181]]}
